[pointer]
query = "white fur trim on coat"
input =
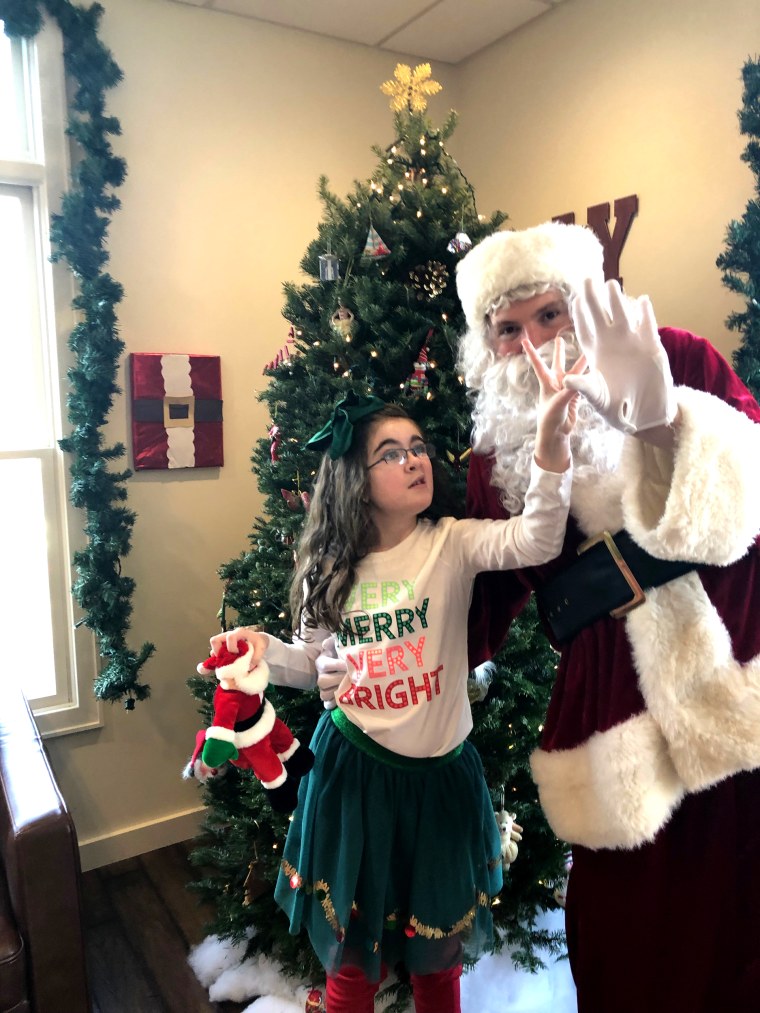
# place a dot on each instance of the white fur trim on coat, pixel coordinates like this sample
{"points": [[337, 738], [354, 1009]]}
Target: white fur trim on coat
{"points": [[704, 504], [595, 502], [702, 722], [705, 701], [613, 791]]}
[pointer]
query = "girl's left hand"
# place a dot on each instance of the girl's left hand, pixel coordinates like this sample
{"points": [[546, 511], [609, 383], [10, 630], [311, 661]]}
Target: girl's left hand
{"points": [[557, 405]]}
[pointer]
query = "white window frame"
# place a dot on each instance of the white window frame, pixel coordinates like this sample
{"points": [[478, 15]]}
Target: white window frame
{"points": [[73, 707]]}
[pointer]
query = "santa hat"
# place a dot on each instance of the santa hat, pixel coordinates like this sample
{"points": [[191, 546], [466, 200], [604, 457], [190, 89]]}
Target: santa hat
{"points": [[549, 254], [232, 669]]}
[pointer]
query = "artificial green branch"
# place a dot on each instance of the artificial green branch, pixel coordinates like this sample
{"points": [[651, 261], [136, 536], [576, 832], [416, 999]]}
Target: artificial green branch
{"points": [[79, 236], [740, 262]]}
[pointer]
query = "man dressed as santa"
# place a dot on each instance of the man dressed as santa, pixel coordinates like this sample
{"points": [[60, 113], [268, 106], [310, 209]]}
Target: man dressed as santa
{"points": [[648, 763]]}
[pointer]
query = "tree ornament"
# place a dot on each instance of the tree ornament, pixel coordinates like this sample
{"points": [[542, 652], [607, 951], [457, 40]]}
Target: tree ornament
{"points": [[429, 280], [410, 88], [479, 682], [274, 436], [374, 247], [249, 891], [282, 356], [314, 1002], [509, 834], [457, 460], [461, 243], [329, 267], [560, 894], [291, 499], [342, 322], [417, 383]]}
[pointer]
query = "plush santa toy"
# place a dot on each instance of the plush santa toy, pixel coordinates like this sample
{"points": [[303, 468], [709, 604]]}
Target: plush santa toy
{"points": [[246, 731]]}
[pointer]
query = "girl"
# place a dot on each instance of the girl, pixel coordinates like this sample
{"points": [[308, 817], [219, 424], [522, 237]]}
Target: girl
{"points": [[393, 853]]}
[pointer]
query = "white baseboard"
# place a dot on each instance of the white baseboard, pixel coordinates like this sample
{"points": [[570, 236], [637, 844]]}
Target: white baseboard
{"points": [[131, 841]]}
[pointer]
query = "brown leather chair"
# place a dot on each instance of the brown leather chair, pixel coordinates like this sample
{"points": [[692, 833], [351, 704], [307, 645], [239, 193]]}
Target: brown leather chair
{"points": [[42, 960]]}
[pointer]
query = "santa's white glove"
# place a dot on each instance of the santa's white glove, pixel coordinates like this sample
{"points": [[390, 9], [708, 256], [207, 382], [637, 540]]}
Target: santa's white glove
{"points": [[629, 380], [331, 671]]}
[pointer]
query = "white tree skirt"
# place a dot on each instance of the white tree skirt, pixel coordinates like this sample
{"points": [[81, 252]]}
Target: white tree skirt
{"points": [[492, 986]]}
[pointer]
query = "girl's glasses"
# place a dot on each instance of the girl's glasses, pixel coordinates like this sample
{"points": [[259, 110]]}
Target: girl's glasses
{"points": [[399, 455]]}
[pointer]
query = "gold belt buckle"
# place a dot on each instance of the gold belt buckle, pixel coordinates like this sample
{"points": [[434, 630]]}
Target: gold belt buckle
{"points": [[636, 590]]}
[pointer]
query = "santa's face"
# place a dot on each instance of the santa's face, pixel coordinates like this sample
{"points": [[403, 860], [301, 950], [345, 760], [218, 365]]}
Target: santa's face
{"points": [[539, 318], [505, 408]]}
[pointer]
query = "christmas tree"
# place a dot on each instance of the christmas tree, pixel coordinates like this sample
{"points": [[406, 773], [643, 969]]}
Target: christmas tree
{"points": [[378, 314], [740, 262]]}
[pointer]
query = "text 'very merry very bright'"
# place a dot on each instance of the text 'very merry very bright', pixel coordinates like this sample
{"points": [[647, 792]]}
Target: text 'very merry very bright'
{"points": [[401, 655]]}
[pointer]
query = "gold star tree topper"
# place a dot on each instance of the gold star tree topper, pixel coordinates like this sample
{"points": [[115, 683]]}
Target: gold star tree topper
{"points": [[410, 87]]}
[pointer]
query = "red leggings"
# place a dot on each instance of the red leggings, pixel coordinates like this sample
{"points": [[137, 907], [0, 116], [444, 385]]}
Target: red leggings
{"points": [[349, 991]]}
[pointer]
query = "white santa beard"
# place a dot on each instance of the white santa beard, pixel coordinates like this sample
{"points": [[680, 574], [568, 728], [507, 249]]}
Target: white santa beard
{"points": [[505, 425]]}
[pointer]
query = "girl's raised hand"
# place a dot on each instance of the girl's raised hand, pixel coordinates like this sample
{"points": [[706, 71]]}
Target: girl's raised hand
{"points": [[557, 406]]}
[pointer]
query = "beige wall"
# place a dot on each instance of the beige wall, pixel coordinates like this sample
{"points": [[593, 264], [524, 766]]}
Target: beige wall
{"points": [[227, 125], [603, 98]]}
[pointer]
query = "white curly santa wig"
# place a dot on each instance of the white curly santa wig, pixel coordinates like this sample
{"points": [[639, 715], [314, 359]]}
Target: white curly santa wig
{"points": [[546, 256]]}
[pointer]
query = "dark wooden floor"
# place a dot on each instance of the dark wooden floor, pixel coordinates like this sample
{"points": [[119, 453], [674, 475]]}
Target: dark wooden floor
{"points": [[140, 922]]}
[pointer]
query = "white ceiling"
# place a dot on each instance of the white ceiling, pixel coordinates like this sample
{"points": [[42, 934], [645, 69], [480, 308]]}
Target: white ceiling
{"points": [[443, 30]]}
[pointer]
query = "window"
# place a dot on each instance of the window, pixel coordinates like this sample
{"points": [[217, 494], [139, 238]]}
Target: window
{"points": [[38, 528]]}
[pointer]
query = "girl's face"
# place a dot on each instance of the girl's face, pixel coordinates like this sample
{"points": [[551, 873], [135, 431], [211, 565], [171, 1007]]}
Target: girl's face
{"points": [[397, 490], [540, 318]]}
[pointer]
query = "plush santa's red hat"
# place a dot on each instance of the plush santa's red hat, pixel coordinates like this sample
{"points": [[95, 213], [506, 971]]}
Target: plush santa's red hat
{"points": [[232, 669]]}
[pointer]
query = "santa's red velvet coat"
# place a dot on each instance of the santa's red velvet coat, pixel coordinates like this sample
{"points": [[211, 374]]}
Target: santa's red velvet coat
{"points": [[651, 746]]}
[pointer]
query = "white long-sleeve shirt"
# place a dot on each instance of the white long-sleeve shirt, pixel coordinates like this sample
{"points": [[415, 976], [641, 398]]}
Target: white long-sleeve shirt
{"points": [[404, 634]]}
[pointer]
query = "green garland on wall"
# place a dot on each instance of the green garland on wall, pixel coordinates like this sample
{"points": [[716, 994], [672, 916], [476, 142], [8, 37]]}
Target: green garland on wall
{"points": [[78, 237]]}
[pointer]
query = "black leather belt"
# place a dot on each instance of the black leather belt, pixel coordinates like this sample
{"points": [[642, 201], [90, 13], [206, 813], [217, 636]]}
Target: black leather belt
{"points": [[610, 577]]}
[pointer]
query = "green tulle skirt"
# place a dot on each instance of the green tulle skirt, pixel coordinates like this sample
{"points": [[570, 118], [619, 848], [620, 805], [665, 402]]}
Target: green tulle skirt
{"points": [[388, 861]]}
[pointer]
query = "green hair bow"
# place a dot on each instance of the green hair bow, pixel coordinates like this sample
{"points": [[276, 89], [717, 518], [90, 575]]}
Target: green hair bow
{"points": [[336, 436]]}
